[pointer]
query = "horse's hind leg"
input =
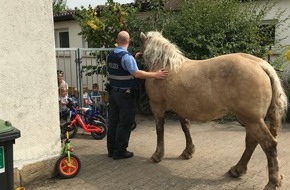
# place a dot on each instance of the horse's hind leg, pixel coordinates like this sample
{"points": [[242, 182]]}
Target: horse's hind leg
{"points": [[268, 143], [241, 167], [269, 146], [189, 149], [159, 153]]}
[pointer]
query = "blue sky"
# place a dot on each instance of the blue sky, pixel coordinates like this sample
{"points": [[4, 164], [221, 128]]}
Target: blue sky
{"points": [[77, 3]]}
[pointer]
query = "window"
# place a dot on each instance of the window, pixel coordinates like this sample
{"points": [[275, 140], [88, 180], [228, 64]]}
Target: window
{"points": [[90, 44], [267, 32], [62, 38]]}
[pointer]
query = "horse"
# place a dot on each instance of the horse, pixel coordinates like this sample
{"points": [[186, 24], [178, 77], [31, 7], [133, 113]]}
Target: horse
{"points": [[205, 90]]}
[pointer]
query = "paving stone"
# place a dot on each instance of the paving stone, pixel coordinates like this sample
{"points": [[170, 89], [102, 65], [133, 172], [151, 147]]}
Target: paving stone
{"points": [[218, 147]]}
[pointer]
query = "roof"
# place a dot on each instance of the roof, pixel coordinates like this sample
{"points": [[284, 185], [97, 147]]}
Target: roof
{"points": [[64, 16]]}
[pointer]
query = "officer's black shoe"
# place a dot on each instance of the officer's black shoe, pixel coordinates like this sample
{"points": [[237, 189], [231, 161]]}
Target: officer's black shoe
{"points": [[110, 155], [124, 155]]}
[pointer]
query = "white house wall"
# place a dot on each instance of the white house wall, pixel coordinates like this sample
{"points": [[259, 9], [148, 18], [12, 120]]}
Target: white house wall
{"points": [[73, 27], [28, 82], [283, 31], [286, 33]]}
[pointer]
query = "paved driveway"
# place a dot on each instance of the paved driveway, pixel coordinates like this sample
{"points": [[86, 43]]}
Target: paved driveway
{"points": [[218, 147]]}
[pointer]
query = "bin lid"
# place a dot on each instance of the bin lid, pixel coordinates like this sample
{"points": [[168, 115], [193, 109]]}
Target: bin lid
{"points": [[5, 126]]}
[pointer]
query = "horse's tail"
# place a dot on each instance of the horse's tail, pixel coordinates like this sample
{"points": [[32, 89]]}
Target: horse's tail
{"points": [[279, 104]]}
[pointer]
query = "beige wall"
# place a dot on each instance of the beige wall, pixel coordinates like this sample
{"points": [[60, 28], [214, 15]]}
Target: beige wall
{"points": [[73, 27], [28, 83], [282, 32]]}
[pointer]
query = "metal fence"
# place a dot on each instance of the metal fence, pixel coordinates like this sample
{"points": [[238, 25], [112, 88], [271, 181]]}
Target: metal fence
{"points": [[83, 67]]}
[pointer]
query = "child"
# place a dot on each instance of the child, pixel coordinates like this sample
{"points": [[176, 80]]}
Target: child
{"points": [[63, 99], [86, 98], [75, 96], [95, 94], [97, 99], [60, 81], [63, 102]]}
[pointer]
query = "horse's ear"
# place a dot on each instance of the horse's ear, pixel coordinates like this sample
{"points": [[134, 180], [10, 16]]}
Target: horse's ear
{"points": [[143, 37]]}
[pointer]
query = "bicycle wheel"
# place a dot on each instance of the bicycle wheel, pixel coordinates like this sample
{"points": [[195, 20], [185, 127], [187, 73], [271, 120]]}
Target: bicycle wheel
{"points": [[66, 171], [99, 118], [104, 128], [72, 132]]}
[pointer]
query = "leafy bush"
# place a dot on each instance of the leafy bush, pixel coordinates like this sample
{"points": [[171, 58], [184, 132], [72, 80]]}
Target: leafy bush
{"points": [[206, 28], [101, 26]]}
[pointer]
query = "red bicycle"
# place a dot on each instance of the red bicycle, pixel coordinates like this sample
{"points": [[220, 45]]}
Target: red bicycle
{"points": [[77, 118]]}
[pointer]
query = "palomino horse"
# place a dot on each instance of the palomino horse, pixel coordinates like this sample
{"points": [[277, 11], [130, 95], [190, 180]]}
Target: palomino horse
{"points": [[203, 90]]}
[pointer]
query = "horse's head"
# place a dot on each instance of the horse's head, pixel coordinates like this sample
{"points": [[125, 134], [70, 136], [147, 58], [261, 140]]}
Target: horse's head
{"points": [[158, 52], [143, 39]]}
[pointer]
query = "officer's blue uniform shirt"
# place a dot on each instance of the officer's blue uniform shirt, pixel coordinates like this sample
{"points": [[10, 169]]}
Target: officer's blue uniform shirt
{"points": [[131, 65]]}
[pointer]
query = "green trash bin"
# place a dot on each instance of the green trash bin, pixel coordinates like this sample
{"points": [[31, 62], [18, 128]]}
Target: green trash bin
{"points": [[8, 134]]}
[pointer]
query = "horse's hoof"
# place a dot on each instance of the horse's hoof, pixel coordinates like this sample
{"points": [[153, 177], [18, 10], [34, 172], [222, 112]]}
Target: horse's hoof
{"points": [[234, 172], [185, 156], [270, 186], [155, 159], [152, 160]]}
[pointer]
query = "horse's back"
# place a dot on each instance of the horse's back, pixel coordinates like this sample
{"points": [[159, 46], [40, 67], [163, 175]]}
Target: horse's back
{"points": [[229, 83]]}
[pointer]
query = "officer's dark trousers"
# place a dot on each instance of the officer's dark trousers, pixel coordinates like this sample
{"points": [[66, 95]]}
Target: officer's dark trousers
{"points": [[122, 110]]}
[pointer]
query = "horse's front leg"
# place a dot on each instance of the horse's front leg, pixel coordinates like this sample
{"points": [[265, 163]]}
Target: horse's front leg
{"points": [[189, 149], [159, 153]]}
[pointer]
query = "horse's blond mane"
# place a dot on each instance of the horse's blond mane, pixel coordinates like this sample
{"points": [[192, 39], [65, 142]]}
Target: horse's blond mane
{"points": [[160, 52]]}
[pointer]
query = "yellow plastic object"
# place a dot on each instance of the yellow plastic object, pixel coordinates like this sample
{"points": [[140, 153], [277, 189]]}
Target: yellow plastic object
{"points": [[20, 188]]}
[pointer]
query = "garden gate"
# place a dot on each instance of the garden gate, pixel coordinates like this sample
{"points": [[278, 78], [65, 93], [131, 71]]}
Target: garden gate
{"points": [[83, 67]]}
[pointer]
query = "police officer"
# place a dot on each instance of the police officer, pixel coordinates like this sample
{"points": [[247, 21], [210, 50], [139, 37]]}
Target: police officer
{"points": [[122, 71]]}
